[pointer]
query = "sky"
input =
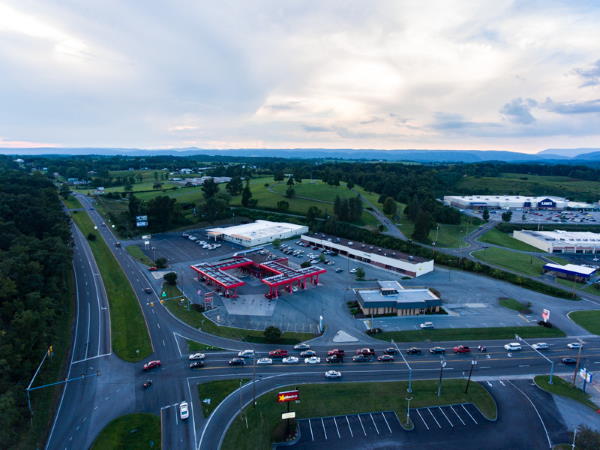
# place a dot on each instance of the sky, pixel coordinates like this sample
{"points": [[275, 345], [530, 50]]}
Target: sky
{"points": [[504, 75]]}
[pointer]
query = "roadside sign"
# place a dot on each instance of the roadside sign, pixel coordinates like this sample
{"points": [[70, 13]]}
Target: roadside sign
{"points": [[147, 237], [546, 315], [288, 396], [585, 375], [164, 294], [288, 415]]}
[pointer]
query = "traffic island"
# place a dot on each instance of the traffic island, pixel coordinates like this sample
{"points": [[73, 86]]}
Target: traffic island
{"points": [[564, 389], [130, 431]]}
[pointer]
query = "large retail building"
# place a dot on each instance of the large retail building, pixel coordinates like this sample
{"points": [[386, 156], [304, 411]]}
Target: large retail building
{"points": [[257, 233], [559, 241], [511, 202]]}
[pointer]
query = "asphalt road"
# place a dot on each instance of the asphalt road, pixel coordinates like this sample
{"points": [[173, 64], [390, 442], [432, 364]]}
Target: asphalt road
{"points": [[88, 405]]}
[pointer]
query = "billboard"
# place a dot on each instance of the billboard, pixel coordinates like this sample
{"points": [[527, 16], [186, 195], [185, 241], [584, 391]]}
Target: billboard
{"points": [[288, 396], [141, 221]]}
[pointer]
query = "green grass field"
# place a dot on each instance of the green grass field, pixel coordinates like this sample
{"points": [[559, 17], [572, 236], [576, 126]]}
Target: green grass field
{"points": [[565, 389], [515, 305], [130, 339], [449, 236], [518, 262], [131, 432], [194, 346], [459, 334], [137, 253], [334, 398], [72, 203], [216, 391], [497, 237], [590, 320]]}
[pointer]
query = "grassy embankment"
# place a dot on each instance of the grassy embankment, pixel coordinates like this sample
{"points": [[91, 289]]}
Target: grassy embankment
{"points": [[72, 203], [497, 237], [590, 320], [137, 253], [130, 339], [131, 432], [197, 319], [216, 391], [565, 389], [256, 427], [461, 334], [518, 262]]}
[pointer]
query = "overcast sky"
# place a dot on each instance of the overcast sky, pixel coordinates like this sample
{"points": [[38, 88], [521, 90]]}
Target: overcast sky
{"points": [[513, 75]]}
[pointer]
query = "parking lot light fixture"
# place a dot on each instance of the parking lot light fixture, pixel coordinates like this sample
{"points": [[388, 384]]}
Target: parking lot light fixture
{"points": [[409, 388], [473, 364], [408, 399]]}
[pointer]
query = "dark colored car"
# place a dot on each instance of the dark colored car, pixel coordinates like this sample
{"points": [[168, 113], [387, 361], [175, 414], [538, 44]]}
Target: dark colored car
{"points": [[391, 351], [360, 358], [436, 350], [196, 364], [308, 353], [569, 361], [462, 349], [236, 362], [151, 365], [148, 290], [147, 384], [413, 351], [372, 331], [385, 358], [279, 353], [334, 359], [336, 351], [365, 351]]}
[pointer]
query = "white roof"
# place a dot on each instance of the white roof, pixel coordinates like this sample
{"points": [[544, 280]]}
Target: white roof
{"points": [[575, 237], [258, 229], [584, 270], [505, 198]]}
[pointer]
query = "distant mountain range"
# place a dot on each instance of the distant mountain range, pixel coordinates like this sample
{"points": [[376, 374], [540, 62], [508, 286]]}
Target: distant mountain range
{"points": [[566, 155]]}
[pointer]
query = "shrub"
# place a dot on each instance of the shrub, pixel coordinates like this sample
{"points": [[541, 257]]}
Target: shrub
{"points": [[170, 278], [272, 334], [91, 237]]}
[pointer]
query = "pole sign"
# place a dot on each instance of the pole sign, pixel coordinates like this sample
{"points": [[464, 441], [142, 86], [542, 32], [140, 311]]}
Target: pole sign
{"points": [[141, 221], [288, 396], [208, 300], [585, 375], [546, 315], [288, 415]]}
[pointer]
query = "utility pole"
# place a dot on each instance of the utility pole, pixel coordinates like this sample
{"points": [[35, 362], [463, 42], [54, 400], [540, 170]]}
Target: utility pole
{"points": [[409, 388], [577, 364], [442, 365], [473, 364]]}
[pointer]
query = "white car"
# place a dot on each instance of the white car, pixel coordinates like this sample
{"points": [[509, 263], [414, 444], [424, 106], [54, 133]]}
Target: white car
{"points": [[575, 345], [353, 270], [312, 360], [246, 354], [197, 356], [193, 238], [333, 374], [184, 411], [513, 346], [301, 347], [426, 325], [290, 360], [264, 361], [541, 346]]}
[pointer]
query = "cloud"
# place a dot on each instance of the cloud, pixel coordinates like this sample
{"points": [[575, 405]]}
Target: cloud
{"points": [[590, 106], [519, 110], [315, 129], [591, 74]]}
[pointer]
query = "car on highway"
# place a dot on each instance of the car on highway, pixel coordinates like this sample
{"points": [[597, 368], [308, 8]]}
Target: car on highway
{"points": [[148, 290], [413, 351], [236, 362], [334, 359], [437, 350], [333, 374], [339, 270], [264, 361], [307, 353], [366, 351], [541, 346], [426, 325], [196, 364], [279, 353], [461, 349], [574, 345], [312, 360], [290, 360], [336, 351], [152, 364], [512, 347], [184, 411], [361, 358], [302, 346], [391, 351], [568, 361], [153, 269], [246, 354], [385, 358], [197, 356]]}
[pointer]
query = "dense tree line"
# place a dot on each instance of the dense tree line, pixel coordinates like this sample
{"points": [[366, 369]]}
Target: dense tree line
{"points": [[348, 209], [35, 250]]}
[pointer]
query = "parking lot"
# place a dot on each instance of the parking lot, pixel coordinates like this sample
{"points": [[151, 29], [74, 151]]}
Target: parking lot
{"points": [[446, 419], [543, 216]]}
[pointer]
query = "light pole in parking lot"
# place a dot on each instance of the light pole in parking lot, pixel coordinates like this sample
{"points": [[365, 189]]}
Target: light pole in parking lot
{"points": [[520, 339], [442, 365], [409, 389], [408, 399]]}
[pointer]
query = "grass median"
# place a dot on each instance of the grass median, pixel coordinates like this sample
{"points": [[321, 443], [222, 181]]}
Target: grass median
{"points": [[459, 334], [72, 203], [197, 319], [590, 320], [214, 392], [137, 253], [565, 389], [131, 432], [257, 428], [129, 334]]}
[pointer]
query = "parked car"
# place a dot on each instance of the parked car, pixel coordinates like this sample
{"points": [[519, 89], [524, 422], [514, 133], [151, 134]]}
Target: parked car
{"points": [[312, 360], [307, 353], [236, 362], [279, 353], [365, 351], [302, 346], [512, 346], [436, 350], [575, 345], [264, 361], [246, 354], [353, 270], [462, 349], [333, 374], [568, 361], [290, 360], [336, 351], [360, 358], [148, 290], [197, 356], [413, 351], [426, 325], [385, 358], [153, 269], [541, 346], [391, 351], [184, 411], [152, 364], [196, 364], [334, 359]]}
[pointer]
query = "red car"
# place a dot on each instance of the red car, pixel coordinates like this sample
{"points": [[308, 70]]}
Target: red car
{"points": [[462, 349], [336, 352], [152, 269], [151, 365], [278, 353], [365, 351]]}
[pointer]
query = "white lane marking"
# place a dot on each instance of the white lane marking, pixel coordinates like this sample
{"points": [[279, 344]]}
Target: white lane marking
{"points": [[91, 357], [164, 345], [323, 425], [523, 365], [193, 417], [438, 424], [501, 383], [337, 429], [349, 427], [361, 424], [386, 422], [158, 325], [424, 423], [376, 429], [536, 411], [459, 418], [311, 431], [442, 411], [489, 384], [87, 339], [467, 411]]}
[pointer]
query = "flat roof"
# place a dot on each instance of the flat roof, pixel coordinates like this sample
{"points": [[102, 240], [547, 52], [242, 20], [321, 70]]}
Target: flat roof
{"points": [[565, 236], [257, 229], [368, 248], [571, 268], [523, 198]]}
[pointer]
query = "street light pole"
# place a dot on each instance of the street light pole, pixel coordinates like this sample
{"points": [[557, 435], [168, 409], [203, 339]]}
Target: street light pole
{"points": [[442, 365], [409, 388], [408, 399], [577, 365]]}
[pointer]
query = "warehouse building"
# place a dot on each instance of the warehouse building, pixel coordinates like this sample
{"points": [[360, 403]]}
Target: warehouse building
{"points": [[572, 272], [257, 233], [560, 241], [391, 298], [512, 202], [408, 265]]}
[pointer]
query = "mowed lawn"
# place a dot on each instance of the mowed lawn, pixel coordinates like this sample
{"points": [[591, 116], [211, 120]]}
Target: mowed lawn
{"points": [[129, 335], [72, 203], [131, 432], [461, 334], [497, 237], [519, 262], [253, 428], [216, 391], [590, 320], [449, 236]]}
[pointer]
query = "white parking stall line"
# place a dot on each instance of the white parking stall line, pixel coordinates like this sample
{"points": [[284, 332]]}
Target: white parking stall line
{"points": [[438, 424], [311, 431], [337, 429], [423, 420], [376, 429], [459, 418], [361, 424], [472, 418], [386, 422], [501, 383], [489, 384], [323, 425], [442, 411], [349, 427]]}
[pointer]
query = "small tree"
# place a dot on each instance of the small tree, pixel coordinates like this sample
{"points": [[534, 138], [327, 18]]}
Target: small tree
{"points": [[272, 334], [277, 243], [170, 278], [360, 273], [389, 206], [350, 184], [283, 205], [506, 216], [91, 237], [486, 215], [290, 192], [305, 264], [322, 257], [161, 263], [587, 439]]}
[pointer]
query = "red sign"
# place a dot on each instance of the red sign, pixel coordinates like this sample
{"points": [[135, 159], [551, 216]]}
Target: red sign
{"points": [[546, 315], [288, 396]]}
